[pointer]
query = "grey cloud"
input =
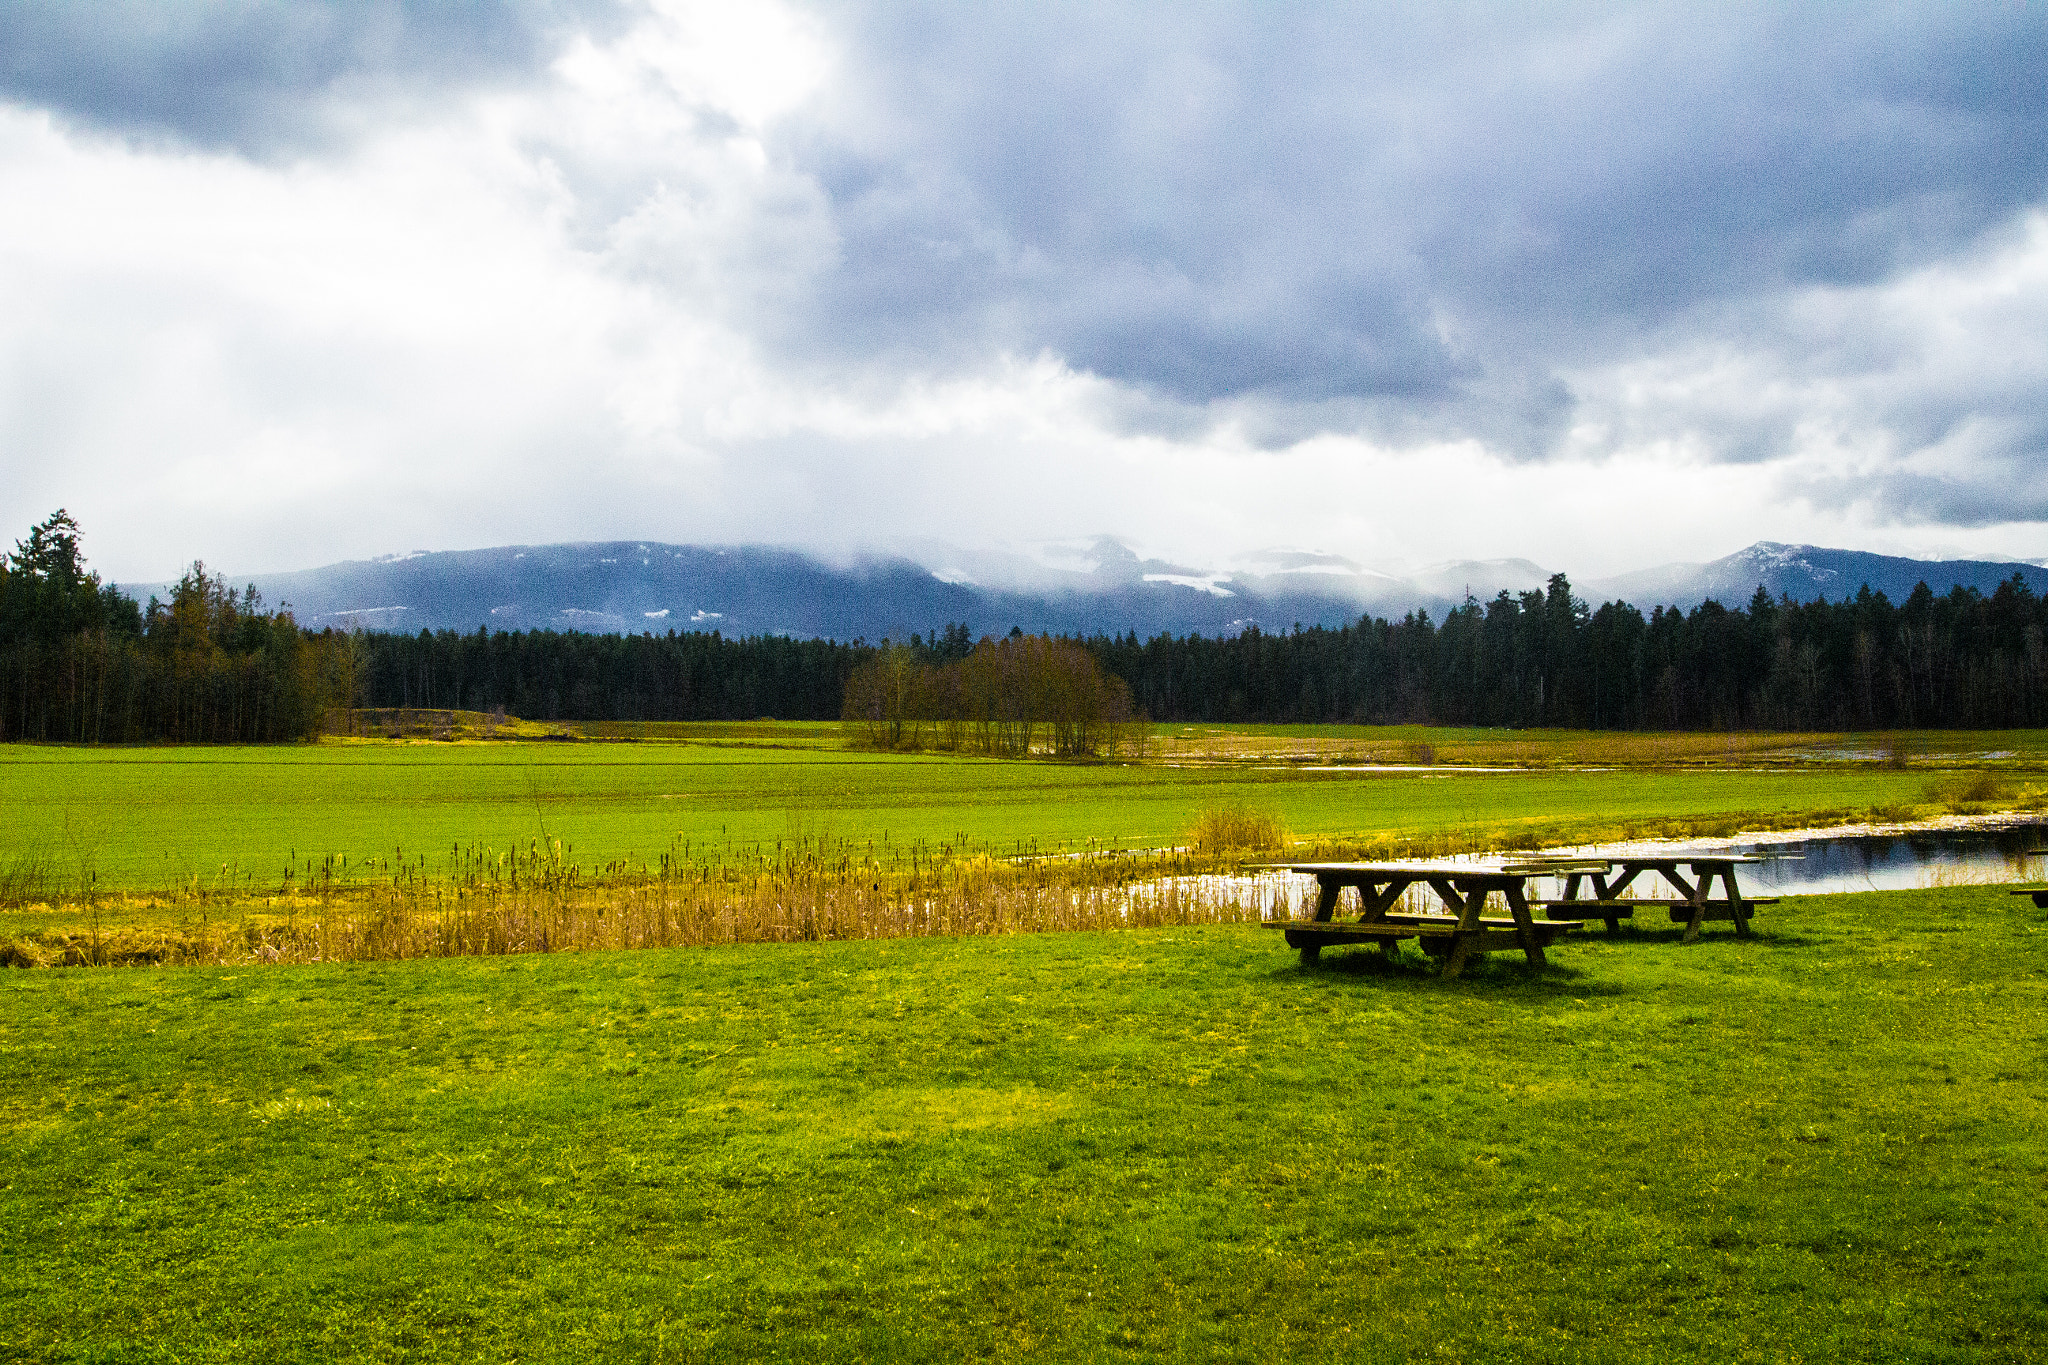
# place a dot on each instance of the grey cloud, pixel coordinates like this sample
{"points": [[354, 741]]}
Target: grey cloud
{"points": [[1403, 220], [1406, 221], [1994, 494], [267, 78]]}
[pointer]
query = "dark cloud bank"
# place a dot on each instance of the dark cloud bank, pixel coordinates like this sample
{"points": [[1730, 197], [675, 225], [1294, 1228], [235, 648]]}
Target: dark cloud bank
{"points": [[1412, 221], [271, 79], [1422, 213]]}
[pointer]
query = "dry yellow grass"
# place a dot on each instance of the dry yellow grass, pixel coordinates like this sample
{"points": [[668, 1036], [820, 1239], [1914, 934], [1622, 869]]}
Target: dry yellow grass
{"points": [[1236, 827], [537, 902]]}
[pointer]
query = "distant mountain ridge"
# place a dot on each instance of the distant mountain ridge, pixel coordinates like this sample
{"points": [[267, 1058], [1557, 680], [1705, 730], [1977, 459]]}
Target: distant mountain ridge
{"points": [[1806, 573], [633, 586]]}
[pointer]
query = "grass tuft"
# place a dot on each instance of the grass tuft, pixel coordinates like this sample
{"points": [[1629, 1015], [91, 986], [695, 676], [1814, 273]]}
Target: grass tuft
{"points": [[1962, 792], [1236, 828]]}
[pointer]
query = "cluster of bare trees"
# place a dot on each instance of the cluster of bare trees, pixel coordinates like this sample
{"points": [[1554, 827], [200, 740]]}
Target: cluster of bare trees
{"points": [[1025, 694]]}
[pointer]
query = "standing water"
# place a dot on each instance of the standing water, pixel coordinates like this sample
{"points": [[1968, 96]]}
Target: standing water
{"points": [[1791, 867], [1893, 862]]}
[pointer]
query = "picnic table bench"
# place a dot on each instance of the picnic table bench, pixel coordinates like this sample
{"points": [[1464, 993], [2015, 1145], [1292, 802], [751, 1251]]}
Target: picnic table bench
{"points": [[1451, 937], [1693, 906]]}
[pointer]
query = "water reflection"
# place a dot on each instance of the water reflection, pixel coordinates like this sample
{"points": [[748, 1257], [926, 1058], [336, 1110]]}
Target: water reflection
{"points": [[1894, 862], [1850, 862]]}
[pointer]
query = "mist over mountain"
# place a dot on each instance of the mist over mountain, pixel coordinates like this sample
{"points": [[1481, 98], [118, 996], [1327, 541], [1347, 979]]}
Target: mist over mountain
{"points": [[1101, 587], [1805, 573]]}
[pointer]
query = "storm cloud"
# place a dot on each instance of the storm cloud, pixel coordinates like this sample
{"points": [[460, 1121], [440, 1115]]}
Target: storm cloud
{"points": [[789, 256], [1322, 202], [270, 79]]}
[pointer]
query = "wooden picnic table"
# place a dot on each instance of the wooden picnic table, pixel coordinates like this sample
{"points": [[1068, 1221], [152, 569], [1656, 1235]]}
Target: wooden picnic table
{"points": [[1451, 937], [1694, 905]]}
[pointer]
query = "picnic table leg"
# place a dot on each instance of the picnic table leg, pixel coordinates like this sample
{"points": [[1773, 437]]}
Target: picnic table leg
{"points": [[1461, 948], [1605, 890], [1326, 905], [1373, 908], [1326, 900], [1466, 907], [1737, 907], [1696, 894], [1525, 925], [1571, 893]]}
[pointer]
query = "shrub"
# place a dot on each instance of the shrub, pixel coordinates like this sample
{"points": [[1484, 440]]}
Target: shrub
{"points": [[1958, 790], [1234, 828]]}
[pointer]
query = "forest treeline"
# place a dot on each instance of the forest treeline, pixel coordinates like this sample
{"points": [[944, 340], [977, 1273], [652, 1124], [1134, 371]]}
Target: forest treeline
{"points": [[1961, 660], [81, 662], [569, 675]]}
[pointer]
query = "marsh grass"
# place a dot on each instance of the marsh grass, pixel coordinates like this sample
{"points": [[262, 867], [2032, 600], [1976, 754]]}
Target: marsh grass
{"points": [[26, 877], [810, 886], [1236, 826], [1971, 791], [540, 899]]}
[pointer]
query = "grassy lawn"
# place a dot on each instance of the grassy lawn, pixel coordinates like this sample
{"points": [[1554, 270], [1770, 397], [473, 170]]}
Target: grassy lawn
{"points": [[155, 818], [1827, 1144]]}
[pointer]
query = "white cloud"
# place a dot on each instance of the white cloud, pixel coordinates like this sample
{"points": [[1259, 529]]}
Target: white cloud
{"points": [[767, 273]]}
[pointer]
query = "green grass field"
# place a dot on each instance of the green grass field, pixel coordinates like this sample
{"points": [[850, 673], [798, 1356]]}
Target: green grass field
{"points": [[1827, 1144], [156, 818]]}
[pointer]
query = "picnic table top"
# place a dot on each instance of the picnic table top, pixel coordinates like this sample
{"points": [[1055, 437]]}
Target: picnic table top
{"points": [[1518, 867], [1673, 856], [1420, 870]]}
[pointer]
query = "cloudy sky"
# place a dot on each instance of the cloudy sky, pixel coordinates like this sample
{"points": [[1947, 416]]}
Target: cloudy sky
{"points": [[1597, 285]]}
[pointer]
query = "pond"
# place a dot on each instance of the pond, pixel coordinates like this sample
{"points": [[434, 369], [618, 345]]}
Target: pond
{"points": [[1893, 862], [1898, 861]]}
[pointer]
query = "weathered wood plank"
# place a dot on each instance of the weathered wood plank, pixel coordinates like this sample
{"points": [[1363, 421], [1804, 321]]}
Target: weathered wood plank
{"points": [[1499, 935]]}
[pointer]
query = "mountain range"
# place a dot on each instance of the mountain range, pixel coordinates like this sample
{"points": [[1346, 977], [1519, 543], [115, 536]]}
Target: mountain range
{"points": [[1102, 587]]}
